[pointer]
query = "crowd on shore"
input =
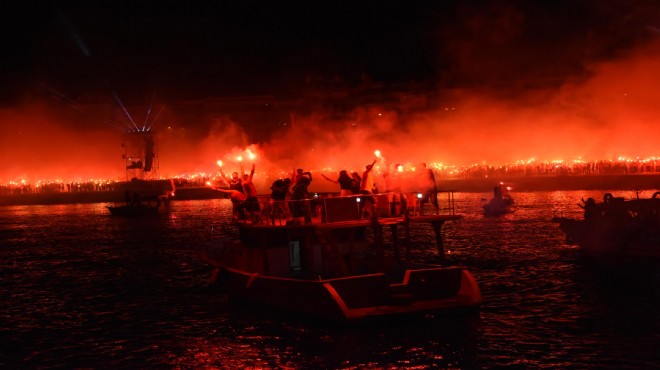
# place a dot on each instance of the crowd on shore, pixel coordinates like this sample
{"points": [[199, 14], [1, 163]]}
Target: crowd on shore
{"points": [[526, 169], [56, 187], [556, 168]]}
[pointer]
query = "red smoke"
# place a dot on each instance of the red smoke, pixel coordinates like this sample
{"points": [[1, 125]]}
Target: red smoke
{"points": [[609, 113]]}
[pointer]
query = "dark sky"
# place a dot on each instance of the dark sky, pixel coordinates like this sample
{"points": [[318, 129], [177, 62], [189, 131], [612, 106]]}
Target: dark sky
{"points": [[189, 49]]}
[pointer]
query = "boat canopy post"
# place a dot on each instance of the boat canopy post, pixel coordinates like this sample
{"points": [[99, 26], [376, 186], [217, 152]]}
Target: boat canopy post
{"points": [[437, 225], [379, 242]]}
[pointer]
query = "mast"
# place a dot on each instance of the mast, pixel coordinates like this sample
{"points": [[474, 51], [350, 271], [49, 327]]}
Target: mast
{"points": [[140, 156]]}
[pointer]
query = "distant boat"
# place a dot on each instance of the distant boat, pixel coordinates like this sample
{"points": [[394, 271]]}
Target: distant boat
{"points": [[617, 228], [134, 210], [332, 266], [500, 204]]}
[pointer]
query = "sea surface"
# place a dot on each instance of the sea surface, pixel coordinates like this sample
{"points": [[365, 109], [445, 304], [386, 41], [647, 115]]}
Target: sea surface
{"points": [[81, 289]]}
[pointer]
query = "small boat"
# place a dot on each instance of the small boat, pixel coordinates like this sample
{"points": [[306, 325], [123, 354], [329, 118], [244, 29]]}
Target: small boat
{"points": [[140, 205], [616, 228], [332, 265], [138, 210], [501, 203]]}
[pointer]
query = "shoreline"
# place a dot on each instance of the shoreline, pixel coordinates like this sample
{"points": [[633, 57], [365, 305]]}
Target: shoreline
{"points": [[110, 196], [555, 183], [464, 185]]}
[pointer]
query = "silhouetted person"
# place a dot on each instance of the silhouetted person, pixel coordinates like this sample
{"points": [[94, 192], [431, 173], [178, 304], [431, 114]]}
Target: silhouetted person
{"points": [[591, 210], [279, 190], [237, 200], [235, 181], [367, 185], [497, 192], [356, 182], [299, 193], [428, 188], [345, 183], [251, 201]]}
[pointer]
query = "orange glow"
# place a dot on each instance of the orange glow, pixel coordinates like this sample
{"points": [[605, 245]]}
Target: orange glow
{"points": [[585, 126]]}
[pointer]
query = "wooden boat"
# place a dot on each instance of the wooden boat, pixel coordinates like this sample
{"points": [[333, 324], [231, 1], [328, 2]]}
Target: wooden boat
{"points": [[335, 266], [617, 228]]}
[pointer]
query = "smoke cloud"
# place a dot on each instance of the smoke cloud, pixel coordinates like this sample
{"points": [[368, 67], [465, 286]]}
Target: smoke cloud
{"points": [[610, 112]]}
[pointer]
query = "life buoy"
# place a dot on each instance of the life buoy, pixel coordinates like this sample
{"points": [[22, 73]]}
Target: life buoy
{"points": [[608, 197]]}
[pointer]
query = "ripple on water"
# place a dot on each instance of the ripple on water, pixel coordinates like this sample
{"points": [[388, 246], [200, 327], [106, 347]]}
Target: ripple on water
{"points": [[81, 289]]}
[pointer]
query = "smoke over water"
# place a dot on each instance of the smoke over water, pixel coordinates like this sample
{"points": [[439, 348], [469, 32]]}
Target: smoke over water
{"points": [[39, 143], [611, 112]]}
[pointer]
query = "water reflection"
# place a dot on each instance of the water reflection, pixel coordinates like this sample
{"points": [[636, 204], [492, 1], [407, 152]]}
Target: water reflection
{"points": [[79, 288]]}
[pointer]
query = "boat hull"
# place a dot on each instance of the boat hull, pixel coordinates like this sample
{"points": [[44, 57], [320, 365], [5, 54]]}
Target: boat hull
{"points": [[334, 266], [440, 290], [605, 243], [498, 207]]}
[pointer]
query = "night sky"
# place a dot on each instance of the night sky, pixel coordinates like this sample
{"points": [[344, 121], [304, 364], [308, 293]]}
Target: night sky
{"points": [[183, 49], [563, 79]]}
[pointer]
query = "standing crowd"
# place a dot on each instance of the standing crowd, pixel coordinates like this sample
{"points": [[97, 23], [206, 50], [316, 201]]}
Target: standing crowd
{"points": [[290, 197]]}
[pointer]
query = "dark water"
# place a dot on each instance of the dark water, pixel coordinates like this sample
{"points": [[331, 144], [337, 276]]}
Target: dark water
{"points": [[79, 289]]}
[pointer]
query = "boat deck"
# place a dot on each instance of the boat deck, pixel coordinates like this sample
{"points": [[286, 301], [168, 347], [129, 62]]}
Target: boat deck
{"points": [[332, 214], [387, 208]]}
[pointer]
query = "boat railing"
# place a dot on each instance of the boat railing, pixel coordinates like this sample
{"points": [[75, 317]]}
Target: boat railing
{"points": [[329, 207]]}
